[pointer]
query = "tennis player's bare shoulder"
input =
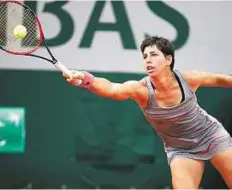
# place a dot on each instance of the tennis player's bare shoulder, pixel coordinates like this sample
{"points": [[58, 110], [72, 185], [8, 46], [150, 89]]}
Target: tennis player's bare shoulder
{"points": [[192, 78], [143, 94]]}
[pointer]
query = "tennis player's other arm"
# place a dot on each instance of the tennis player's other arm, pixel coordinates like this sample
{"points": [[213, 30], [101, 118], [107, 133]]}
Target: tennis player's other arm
{"points": [[197, 79], [105, 88]]}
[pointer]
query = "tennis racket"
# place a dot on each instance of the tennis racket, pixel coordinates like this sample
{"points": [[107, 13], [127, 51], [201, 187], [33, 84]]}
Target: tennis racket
{"points": [[14, 13]]}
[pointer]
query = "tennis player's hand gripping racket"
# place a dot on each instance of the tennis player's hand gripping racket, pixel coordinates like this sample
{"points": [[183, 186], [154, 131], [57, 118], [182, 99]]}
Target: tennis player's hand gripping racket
{"points": [[10, 14]]}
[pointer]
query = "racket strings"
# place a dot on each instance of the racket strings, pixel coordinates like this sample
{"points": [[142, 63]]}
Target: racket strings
{"points": [[2, 24], [13, 14]]}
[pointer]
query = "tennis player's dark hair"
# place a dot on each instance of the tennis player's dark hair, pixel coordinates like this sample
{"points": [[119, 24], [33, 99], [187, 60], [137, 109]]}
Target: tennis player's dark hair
{"points": [[163, 44]]}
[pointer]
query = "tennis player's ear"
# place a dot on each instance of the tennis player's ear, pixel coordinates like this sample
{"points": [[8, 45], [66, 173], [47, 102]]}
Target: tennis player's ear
{"points": [[169, 59]]}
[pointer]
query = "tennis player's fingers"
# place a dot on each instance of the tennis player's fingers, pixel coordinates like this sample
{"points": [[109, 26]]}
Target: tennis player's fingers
{"points": [[70, 80], [78, 75], [64, 75], [70, 75], [76, 78], [75, 82]]}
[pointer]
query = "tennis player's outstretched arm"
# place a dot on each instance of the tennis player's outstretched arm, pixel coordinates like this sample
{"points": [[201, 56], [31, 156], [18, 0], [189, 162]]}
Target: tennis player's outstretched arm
{"points": [[198, 79], [119, 91]]}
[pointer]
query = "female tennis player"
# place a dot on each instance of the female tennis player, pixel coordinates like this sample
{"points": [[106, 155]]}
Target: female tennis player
{"points": [[167, 98]]}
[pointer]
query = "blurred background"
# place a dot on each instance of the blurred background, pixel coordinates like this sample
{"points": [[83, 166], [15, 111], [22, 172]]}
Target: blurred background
{"points": [[53, 135]]}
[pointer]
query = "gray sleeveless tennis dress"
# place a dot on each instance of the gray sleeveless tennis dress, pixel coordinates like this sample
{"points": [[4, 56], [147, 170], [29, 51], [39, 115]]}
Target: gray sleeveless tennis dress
{"points": [[186, 129]]}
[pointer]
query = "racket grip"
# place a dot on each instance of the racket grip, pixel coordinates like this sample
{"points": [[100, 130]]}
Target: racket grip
{"points": [[63, 69]]}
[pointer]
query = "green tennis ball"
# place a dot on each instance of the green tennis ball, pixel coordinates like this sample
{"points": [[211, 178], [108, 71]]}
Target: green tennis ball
{"points": [[20, 32]]}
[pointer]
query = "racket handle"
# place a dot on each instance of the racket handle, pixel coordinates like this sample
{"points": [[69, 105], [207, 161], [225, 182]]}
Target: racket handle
{"points": [[63, 69]]}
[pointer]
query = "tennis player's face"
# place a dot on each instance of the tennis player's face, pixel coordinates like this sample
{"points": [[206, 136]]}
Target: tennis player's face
{"points": [[154, 60]]}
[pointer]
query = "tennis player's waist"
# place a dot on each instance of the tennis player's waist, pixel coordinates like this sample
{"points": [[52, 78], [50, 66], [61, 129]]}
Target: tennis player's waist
{"points": [[194, 140]]}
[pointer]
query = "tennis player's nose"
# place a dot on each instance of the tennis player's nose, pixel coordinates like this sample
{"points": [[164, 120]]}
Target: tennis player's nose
{"points": [[148, 62]]}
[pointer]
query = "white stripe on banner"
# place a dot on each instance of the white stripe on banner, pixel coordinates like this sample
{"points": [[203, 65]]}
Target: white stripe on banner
{"points": [[202, 30]]}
